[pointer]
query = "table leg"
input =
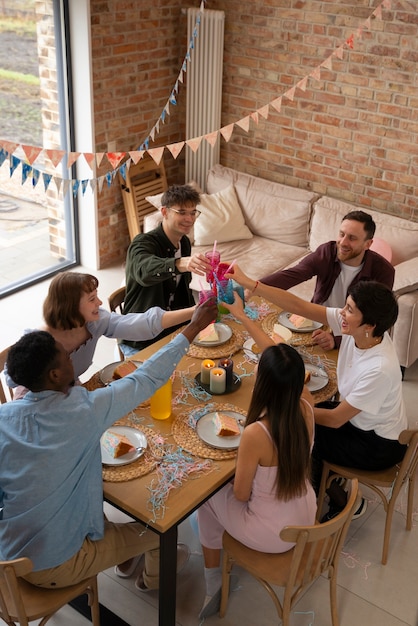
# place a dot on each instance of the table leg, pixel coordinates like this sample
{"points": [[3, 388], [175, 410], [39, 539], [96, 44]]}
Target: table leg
{"points": [[168, 578]]}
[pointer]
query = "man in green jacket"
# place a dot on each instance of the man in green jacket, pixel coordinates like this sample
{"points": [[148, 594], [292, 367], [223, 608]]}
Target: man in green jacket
{"points": [[159, 263]]}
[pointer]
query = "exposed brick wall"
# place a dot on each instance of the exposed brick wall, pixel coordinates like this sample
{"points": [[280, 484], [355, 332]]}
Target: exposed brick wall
{"points": [[137, 56], [352, 135]]}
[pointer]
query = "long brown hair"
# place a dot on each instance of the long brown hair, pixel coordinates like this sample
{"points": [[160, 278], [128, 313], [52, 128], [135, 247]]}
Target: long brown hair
{"points": [[62, 304], [276, 396]]}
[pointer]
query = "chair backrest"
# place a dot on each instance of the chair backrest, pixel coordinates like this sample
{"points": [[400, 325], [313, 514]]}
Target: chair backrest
{"points": [[146, 178], [11, 601], [409, 463], [22, 602], [5, 392], [116, 300], [317, 548]]}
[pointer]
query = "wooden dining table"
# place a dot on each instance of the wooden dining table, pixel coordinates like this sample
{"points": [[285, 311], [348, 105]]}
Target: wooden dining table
{"points": [[133, 496]]}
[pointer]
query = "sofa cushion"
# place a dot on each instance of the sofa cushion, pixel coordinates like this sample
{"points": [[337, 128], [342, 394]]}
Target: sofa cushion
{"points": [[221, 219], [400, 234], [270, 209], [406, 277]]}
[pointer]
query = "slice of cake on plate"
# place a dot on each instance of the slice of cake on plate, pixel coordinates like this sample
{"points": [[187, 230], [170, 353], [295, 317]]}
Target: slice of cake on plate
{"points": [[125, 368], [116, 445], [225, 425], [209, 334], [300, 322]]}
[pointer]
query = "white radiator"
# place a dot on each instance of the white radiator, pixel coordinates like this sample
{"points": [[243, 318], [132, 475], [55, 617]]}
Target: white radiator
{"points": [[204, 91]]}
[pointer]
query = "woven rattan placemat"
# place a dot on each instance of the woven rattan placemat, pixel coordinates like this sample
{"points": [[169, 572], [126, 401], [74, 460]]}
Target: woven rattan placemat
{"points": [[187, 437], [144, 465], [330, 388], [297, 339], [233, 345]]}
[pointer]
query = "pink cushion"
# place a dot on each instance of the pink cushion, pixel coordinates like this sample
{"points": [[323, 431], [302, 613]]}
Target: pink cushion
{"points": [[382, 247]]}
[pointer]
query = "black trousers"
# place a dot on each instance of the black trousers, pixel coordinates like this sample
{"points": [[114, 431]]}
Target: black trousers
{"points": [[352, 447]]}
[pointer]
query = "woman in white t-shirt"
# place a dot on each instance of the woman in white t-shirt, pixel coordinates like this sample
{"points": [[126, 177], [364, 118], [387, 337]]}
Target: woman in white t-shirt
{"points": [[362, 430]]}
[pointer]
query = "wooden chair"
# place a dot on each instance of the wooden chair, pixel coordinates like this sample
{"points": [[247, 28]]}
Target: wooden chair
{"points": [[393, 479], [146, 178], [6, 392], [116, 300], [316, 551], [21, 602]]}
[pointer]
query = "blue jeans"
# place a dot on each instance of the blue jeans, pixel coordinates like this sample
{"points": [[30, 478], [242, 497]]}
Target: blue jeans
{"points": [[127, 350]]}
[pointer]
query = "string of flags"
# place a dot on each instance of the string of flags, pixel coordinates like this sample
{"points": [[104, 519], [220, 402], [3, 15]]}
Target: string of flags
{"points": [[32, 153]]}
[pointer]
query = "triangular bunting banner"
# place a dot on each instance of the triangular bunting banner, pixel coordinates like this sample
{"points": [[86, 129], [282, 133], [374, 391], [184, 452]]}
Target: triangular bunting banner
{"points": [[277, 104], [194, 143], [254, 116], [227, 131], [58, 182], [65, 186], [264, 111], [244, 123], [26, 172], [9, 146], [302, 83], [378, 12], [55, 156], [35, 177], [101, 182], [156, 154], [211, 138], [90, 158], [176, 148], [136, 155], [99, 158], [72, 158], [3, 156], [115, 158], [31, 153], [47, 179], [76, 185], [327, 63], [14, 162], [316, 73], [290, 93]]}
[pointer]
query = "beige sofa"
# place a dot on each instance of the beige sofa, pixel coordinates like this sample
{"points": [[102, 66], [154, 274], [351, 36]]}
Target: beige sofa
{"points": [[268, 226]]}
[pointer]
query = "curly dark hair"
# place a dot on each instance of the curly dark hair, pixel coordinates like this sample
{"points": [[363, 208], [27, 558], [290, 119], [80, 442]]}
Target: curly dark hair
{"points": [[276, 396], [31, 358], [62, 304], [377, 304], [180, 195]]}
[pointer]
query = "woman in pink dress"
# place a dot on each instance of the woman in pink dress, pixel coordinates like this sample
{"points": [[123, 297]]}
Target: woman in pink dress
{"points": [[271, 488]]}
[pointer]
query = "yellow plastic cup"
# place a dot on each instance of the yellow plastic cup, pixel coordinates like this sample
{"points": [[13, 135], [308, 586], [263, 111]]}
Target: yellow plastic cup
{"points": [[160, 408]]}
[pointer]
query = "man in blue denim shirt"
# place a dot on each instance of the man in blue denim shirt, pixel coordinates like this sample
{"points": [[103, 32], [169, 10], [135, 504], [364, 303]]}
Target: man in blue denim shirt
{"points": [[50, 461]]}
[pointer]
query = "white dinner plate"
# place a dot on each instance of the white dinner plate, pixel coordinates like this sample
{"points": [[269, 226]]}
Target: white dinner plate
{"points": [[205, 429], [137, 439], [284, 319], [106, 374], [248, 349], [319, 377], [224, 332]]}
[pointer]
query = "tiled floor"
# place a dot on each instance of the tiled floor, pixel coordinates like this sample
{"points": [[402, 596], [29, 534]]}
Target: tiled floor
{"points": [[368, 592]]}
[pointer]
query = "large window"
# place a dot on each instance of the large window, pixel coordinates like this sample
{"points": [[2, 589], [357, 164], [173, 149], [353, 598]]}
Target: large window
{"points": [[38, 230]]}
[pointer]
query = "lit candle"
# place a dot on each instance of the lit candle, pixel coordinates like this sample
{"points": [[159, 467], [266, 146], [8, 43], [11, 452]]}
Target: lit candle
{"points": [[228, 366], [205, 370], [217, 380]]}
